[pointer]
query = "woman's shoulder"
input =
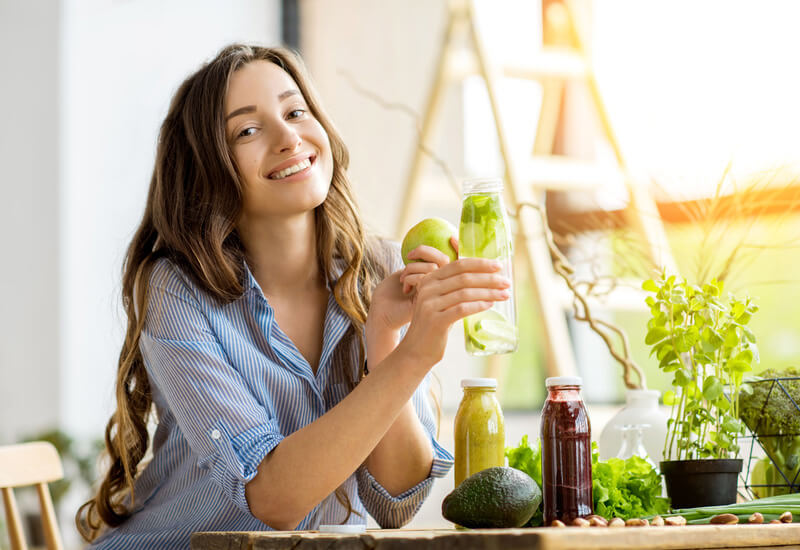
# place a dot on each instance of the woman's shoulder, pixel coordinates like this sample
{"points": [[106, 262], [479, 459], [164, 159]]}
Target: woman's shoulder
{"points": [[386, 254], [168, 277]]}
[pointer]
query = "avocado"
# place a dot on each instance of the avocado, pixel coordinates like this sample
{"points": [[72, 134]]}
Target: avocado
{"points": [[495, 497]]}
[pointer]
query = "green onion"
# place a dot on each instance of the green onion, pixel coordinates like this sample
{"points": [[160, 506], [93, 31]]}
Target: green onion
{"points": [[770, 508]]}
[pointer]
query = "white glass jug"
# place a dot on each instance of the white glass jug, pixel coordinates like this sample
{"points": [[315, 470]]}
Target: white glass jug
{"points": [[641, 407]]}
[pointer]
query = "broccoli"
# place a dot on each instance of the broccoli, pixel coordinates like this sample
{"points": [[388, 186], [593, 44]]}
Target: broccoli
{"points": [[774, 419]]}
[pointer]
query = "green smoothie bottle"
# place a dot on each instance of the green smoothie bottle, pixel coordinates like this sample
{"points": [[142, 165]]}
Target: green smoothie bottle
{"points": [[485, 232], [479, 431]]}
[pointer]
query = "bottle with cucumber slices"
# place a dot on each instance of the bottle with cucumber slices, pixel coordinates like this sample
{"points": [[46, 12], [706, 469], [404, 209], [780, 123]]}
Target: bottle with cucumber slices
{"points": [[485, 232]]}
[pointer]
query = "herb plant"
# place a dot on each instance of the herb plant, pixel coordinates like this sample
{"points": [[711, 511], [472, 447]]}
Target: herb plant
{"points": [[769, 408], [703, 340]]}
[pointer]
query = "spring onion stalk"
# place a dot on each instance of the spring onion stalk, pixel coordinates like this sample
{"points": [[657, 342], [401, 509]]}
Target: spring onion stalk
{"points": [[770, 508]]}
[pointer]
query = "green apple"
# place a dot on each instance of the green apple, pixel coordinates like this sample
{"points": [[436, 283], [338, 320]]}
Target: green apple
{"points": [[433, 232]]}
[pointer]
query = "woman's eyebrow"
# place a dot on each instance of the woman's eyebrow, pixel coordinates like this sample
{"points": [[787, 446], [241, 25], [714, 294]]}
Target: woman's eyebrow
{"points": [[241, 111], [252, 108], [287, 93]]}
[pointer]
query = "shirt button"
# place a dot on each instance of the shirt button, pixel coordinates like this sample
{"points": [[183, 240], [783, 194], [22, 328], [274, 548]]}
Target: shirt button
{"points": [[215, 434]]}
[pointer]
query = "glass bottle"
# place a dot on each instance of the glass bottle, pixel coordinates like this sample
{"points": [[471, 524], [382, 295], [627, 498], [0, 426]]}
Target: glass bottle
{"points": [[641, 407], [484, 232], [632, 443], [480, 434], [566, 452]]}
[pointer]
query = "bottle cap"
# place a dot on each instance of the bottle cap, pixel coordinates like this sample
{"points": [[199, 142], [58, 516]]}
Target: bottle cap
{"points": [[563, 381], [482, 185], [358, 528], [478, 383]]}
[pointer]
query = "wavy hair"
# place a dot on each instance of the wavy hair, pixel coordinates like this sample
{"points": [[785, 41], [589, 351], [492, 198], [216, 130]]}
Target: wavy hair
{"points": [[193, 204]]}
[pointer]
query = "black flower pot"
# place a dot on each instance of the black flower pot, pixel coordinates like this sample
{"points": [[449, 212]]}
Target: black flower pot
{"points": [[708, 482]]}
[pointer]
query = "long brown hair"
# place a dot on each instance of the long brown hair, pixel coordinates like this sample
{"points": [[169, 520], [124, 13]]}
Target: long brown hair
{"points": [[193, 204]]}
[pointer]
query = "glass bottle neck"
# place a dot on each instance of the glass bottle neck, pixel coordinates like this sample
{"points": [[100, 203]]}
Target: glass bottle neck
{"points": [[482, 185], [564, 393], [479, 390]]}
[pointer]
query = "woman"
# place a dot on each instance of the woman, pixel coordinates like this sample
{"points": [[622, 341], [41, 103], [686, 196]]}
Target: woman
{"points": [[256, 305]]}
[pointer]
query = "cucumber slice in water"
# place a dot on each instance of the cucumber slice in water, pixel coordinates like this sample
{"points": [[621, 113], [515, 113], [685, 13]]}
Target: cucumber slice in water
{"points": [[490, 331]]}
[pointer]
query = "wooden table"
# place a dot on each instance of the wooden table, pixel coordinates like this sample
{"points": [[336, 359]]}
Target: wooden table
{"points": [[750, 537]]}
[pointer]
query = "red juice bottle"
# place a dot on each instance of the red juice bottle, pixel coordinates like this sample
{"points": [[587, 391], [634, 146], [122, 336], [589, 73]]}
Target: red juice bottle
{"points": [[566, 452]]}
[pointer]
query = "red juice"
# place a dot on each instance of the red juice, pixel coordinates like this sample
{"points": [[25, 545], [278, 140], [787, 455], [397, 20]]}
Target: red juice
{"points": [[566, 452]]}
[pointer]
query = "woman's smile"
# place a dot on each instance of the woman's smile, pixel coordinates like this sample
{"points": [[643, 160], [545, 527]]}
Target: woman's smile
{"points": [[294, 169]]}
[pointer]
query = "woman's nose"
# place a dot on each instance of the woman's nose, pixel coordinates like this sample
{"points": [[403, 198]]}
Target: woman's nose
{"points": [[286, 138]]}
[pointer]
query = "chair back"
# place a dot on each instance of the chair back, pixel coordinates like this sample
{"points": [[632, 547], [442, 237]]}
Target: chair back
{"points": [[23, 465]]}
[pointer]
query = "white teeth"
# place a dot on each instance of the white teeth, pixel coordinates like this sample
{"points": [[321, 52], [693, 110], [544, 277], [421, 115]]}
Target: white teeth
{"points": [[291, 170]]}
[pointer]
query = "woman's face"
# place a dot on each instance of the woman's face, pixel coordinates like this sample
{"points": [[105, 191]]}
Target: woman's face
{"points": [[281, 151]]}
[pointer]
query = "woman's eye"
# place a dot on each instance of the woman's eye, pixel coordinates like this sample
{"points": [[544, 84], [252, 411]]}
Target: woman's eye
{"points": [[296, 113], [246, 132]]}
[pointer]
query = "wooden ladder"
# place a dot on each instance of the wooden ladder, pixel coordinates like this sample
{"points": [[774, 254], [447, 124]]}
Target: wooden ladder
{"points": [[563, 59]]}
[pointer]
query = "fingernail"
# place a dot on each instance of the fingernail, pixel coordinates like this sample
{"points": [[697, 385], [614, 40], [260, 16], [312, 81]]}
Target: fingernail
{"points": [[497, 265]]}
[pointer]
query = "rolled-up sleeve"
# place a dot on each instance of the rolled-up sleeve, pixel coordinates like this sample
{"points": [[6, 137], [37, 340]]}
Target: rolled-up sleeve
{"points": [[223, 423], [394, 512]]}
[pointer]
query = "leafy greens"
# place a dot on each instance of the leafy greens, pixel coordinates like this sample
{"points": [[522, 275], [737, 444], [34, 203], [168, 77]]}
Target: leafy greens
{"points": [[629, 488]]}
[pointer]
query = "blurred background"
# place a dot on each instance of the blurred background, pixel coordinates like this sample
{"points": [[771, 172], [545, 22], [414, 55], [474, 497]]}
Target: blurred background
{"points": [[701, 97]]}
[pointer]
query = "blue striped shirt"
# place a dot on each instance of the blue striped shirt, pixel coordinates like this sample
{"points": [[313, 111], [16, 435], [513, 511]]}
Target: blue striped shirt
{"points": [[228, 385]]}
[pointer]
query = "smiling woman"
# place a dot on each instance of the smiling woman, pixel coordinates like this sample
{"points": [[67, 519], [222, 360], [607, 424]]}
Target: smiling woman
{"points": [[255, 301]]}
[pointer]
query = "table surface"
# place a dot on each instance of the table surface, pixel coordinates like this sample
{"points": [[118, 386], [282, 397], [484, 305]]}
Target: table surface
{"points": [[594, 538]]}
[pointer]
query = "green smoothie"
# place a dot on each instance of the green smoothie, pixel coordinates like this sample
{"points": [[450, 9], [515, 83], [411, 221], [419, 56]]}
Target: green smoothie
{"points": [[479, 429]]}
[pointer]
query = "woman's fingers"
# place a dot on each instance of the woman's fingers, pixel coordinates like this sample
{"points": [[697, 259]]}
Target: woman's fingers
{"points": [[468, 265], [464, 309], [466, 295], [472, 280], [429, 254], [413, 273], [454, 242]]}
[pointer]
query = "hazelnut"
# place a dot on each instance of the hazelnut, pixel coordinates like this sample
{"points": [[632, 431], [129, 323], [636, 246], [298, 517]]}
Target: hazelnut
{"points": [[637, 522], [580, 522], [616, 522], [786, 517], [756, 518], [675, 521], [657, 521], [597, 521], [557, 523], [724, 519]]}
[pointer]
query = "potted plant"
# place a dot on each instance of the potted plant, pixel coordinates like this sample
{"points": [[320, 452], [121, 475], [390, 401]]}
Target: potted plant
{"points": [[703, 341]]}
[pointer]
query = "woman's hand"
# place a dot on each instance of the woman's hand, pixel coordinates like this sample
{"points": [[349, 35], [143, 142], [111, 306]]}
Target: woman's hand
{"points": [[392, 304], [443, 296]]}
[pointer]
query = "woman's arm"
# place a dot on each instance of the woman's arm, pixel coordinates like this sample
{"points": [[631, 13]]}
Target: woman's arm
{"points": [[403, 457], [311, 463]]}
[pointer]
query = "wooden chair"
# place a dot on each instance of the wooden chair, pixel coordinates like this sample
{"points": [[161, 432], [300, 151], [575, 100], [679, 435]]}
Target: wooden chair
{"points": [[27, 464]]}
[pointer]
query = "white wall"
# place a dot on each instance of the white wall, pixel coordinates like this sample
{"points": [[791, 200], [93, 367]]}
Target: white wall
{"points": [[84, 85], [121, 63], [29, 225]]}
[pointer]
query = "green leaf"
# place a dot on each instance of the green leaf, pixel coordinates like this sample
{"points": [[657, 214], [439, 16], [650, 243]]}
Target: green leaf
{"points": [[670, 398], [681, 378], [731, 337], [739, 366], [655, 335], [731, 424], [712, 388], [668, 358], [672, 367], [711, 339], [650, 285], [748, 335]]}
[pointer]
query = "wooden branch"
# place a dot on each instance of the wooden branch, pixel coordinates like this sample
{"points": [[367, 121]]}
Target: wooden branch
{"points": [[602, 328]]}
